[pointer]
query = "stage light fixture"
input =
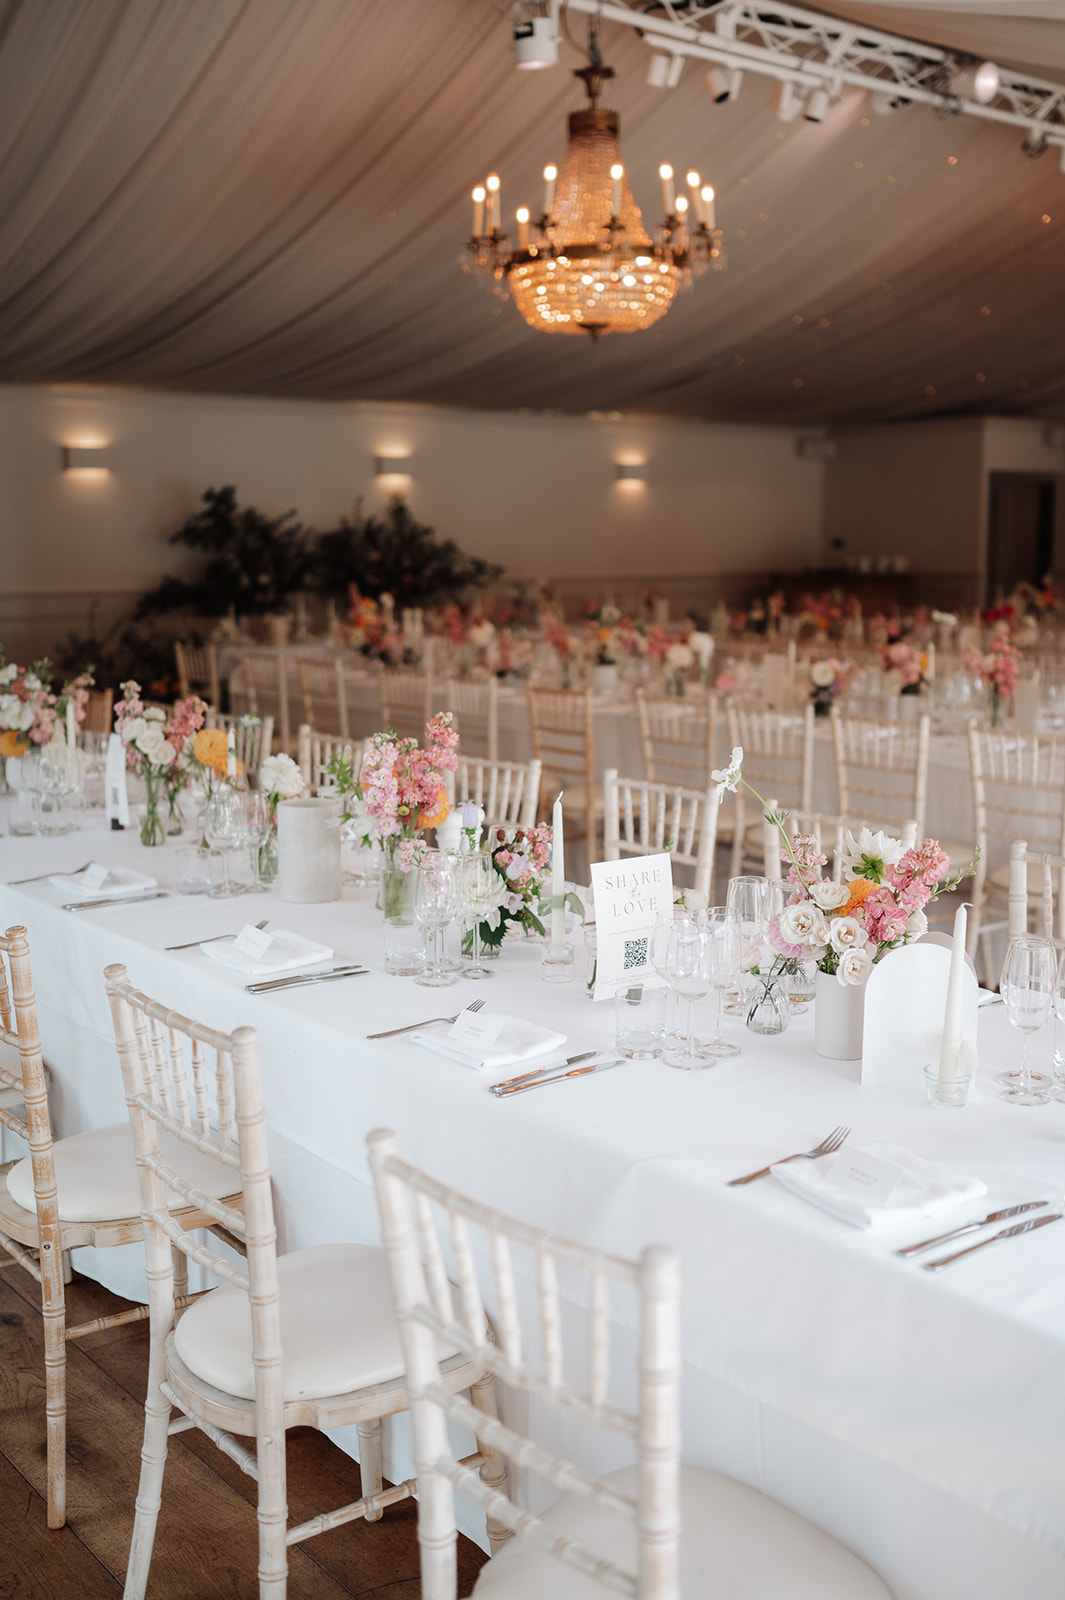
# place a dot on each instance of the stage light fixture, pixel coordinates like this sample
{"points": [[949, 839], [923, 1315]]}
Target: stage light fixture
{"points": [[723, 84], [785, 101], [978, 81], [663, 71], [535, 44], [816, 108]]}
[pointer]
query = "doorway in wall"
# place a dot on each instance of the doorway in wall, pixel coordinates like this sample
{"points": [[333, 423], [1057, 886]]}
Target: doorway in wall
{"points": [[1020, 531]]}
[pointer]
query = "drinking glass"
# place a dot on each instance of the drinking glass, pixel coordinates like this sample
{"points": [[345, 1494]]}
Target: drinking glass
{"points": [[223, 828], [724, 943], [57, 780], [435, 904], [1059, 1028], [747, 896], [688, 972], [660, 936], [256, 811], [1028, 986], [478, 890]]}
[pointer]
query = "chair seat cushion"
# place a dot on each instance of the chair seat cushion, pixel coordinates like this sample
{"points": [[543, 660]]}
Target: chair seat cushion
{"points": [[338, 1328], [736, 1544], [998, 882], [96, 1175]]}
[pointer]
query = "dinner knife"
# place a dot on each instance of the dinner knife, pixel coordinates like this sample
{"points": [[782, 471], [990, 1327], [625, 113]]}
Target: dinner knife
{"points": [[541, 1072], [1006, 1233], [969, 1227], [302, 979], [502, 1091], [118, 900]]}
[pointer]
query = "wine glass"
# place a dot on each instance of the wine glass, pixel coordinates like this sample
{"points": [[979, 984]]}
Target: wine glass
{"points": [[224, 830], [478, 889], [747, 897], [1028, 985], [257, 829], [57, 781], [688, 974], [435, 904], [724, 942], [660, 936]]}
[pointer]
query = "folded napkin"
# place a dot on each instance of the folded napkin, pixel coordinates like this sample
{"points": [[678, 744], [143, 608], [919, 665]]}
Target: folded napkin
{"points": [[119, 883], [288, 952], [518, 1041], [924, 1188]]}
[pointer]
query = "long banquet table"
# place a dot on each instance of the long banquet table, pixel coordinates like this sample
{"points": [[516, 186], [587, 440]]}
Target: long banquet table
{"points": [[920, 1418]]}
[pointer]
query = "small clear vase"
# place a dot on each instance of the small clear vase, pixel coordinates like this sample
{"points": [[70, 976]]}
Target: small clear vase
{"points": [[172, 822], [396, 896], [768, 1010], [153, 828], [265, 858]]}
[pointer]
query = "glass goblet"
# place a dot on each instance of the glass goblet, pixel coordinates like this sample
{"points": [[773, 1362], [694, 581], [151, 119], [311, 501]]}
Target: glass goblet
{"points": [[688, 974], [224, 830], [257, 830], [1028, 985], [435, 904], [478, 889], [724, 936]]}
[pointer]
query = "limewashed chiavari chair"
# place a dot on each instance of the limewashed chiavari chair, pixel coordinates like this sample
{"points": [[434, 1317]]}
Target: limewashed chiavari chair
{"points": [[620, 1533], [306, 1339], [1051, 869], [829, 832], [98, 711], [507, 791], [882, 769], [778, 758], [316, 750], [564, 744], [265, 675], [252, 739], [475, 709], [679, 738], [325, 704], [197, 672], [642, 819], [406, 702], [65, 1194]]}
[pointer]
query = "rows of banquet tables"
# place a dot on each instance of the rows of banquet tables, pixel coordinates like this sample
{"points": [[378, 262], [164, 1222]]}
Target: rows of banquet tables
{"points": [[919, 1418]]}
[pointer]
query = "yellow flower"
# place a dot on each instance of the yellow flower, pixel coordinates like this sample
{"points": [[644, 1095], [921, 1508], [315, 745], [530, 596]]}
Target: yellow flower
{"points": [[211, 750], [13, 744], [433, 819], [859, 888]]}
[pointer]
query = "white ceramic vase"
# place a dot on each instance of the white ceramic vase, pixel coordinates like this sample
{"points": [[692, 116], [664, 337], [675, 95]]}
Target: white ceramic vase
{"points": [[308, 850], [839, 1014], [605, 680]]}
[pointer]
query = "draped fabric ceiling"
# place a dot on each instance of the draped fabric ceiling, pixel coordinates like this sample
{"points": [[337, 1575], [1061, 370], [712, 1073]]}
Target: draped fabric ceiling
{"points": [[271, 196]]}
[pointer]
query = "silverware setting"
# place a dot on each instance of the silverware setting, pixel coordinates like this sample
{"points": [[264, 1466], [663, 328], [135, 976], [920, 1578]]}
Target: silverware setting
{"points": [[556, 1066], [39, 877], [827, 1147], [969, 1227], [503, 1092], [298, 979], [1005, 1233], [215, 938], [119, 900], [412, 1027]]}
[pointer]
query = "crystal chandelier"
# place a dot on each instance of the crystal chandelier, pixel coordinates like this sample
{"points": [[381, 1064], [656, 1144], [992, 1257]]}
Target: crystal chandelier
{"points": [[589, 266]]}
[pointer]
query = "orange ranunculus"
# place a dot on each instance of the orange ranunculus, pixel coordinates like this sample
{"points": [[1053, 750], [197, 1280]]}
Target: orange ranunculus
{"points": [[211, 750], [433, 819], [859, 888], [13, 744]]}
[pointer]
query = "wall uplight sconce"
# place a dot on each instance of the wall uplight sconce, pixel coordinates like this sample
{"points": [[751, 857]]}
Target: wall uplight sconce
{"points": [[86, 458], [633, 474], [391, 466]]}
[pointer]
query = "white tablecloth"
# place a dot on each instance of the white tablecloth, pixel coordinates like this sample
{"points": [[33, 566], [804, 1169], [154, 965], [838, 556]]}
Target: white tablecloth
{"points": [[917, 1417]]}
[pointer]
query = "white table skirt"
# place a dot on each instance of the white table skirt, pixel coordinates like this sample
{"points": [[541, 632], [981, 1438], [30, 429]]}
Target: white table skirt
{"points": [[917, 1417]]}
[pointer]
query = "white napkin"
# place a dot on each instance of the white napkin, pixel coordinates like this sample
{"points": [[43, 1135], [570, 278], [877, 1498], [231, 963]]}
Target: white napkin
{"points": [[288, 952], [518, 1041], [924, 1188], [120, 882]]}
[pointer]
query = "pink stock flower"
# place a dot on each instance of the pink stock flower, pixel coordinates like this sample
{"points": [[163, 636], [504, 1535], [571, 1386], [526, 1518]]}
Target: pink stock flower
{"points": [[883, 918]]}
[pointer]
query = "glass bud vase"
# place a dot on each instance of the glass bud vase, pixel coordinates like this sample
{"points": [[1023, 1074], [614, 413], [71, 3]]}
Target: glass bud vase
{"points": [[396, 898], [768, 1010], [153, 828]]}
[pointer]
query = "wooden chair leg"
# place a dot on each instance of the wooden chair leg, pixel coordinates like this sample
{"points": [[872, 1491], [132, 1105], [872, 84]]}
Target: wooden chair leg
{"points": [[273, 1518], [494, 1467], [53, 1312], [370, 1467], [150, 1487]]}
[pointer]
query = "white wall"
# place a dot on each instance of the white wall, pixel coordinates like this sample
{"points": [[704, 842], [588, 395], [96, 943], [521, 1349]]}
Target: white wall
{"points": [[536, 493]]}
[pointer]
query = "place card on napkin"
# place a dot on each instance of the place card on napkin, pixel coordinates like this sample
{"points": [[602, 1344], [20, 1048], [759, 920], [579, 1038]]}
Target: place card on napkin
{"points": [[628, 897], [905, 997], [115, 883], [288, 952], [516, 1041], [252, 942], [913, 1188]]}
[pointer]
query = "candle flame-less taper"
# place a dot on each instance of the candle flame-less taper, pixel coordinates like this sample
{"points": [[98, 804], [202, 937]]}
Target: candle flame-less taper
{"points": [[558, 875], [950, 1049]]}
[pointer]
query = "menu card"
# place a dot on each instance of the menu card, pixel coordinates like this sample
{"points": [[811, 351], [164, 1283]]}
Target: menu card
{"points": [[628, 897], [904, 999], [115, 782]]}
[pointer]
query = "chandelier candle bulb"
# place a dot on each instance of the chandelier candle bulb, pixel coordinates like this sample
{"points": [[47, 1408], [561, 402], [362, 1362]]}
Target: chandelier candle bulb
{"points": [[707, 197], [550, 174], [950, 1050], [665, 172], [697, 204], [681, 205], [492, 186], [522, 216], [478, 212], [558, 877], [616, 172]]}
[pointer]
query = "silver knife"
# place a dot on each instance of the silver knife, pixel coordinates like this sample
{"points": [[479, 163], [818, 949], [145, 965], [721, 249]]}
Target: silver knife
{"points": [[1007, 1233], [119, 900], [526, 1077], [304, 978], [969, 1227], [537, 1083]]}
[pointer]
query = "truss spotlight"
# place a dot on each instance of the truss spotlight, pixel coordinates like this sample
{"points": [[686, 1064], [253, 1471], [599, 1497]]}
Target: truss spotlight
{"points": [[785, 101], [816, 108], [535, 44], [1035, 145], [976, 82], [885, 105], [663, 72], [723, 84]]}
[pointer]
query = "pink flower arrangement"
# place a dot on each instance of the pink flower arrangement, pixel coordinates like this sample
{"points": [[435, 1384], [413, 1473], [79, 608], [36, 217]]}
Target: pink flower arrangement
{"points": [[27, 706], [906, 661], [998, 669], [403, 785]]}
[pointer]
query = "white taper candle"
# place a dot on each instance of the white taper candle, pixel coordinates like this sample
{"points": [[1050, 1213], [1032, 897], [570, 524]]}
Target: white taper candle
{"points": [[558, 876], [709, 215], [665, 172], [478, 212], [231, 754], [949, 1065], [550, 174], [616, 173]]}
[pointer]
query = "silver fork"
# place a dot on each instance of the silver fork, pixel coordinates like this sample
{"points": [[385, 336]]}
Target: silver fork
{"points": [[14, 882], [827, 1147], [214, 939], [411, 1027]]}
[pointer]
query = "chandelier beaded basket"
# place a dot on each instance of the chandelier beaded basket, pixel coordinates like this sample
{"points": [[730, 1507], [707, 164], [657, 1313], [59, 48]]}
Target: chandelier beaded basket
{"points": [[589, 265]]}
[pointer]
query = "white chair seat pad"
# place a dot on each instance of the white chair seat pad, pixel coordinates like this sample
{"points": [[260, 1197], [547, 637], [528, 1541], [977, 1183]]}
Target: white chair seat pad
{"points": [[736, 1544], [96, 1175], [338, 1328], [998, 882]]}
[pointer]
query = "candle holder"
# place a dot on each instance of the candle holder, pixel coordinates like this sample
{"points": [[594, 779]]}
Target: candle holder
{"points": [[556, 962], [951, 1092]]}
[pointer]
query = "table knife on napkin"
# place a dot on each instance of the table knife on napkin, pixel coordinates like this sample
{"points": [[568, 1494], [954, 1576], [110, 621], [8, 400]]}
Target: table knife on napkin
{"points": [[118, 900], [1006, 1233], [502, 1091], [970, 1227], [300, 979]]}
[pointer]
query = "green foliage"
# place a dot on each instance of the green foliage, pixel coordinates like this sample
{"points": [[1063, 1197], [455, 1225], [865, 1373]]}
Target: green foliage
{"points": [[125, 651], [253, 562], [393, 554]]}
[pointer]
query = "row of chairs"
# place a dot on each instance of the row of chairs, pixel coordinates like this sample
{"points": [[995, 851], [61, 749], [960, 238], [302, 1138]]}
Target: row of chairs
{"points": [[342, 1334]]}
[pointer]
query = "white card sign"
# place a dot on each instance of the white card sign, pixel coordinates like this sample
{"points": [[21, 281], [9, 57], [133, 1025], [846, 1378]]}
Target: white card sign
{"points": [[477, 1030], [253, 942], [628, 897], [905, 997], [94, 876], [115, 783], [858, 1172]]}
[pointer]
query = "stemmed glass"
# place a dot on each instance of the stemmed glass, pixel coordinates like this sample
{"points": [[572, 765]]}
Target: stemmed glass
{"points": [[256, 833], [57, 781], [747, 897], [724, 938], [435, 904], [478, 888], [224, 829], [660, 937], [1028, 986], [688, 972]]}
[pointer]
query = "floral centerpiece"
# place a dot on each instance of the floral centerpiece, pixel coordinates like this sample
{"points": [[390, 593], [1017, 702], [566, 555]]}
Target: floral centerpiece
{"points": [[401, 791], [562, 643], [907, 664], [997, 670], [829, 677], [676, 665], [521, 858], [154, 748], [27, 706], [280, 778]]}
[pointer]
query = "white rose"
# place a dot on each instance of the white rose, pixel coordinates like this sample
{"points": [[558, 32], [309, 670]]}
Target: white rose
{"points": [[159, 751], [802, 923], [679, 656], [481, 634], [846, 933], [15, 714], [854, 967], [918, 925], [692, 899], [9, 673], [155, 714], [132, 730], [830, 896], [703, 645], [281, 775], [823, 673]]}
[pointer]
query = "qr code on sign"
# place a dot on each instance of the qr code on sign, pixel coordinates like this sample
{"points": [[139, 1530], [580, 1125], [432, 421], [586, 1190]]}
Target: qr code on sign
{"points": [[635, 953]]}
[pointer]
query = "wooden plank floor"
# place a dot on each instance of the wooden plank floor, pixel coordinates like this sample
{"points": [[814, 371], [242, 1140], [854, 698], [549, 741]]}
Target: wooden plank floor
{"points": [[206, 1547]]}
